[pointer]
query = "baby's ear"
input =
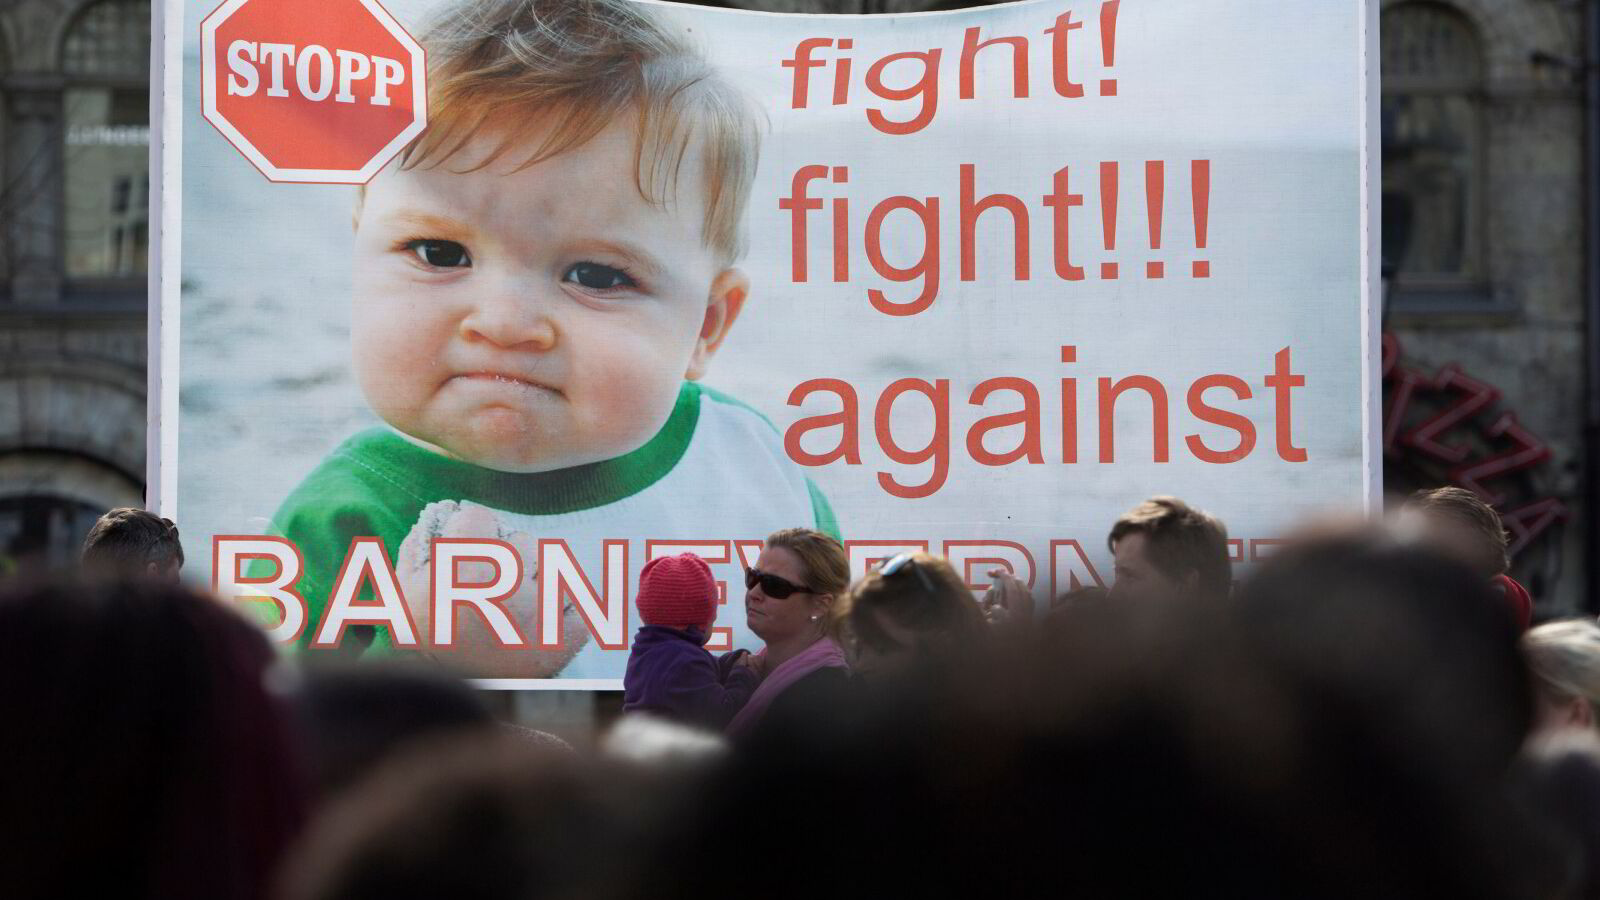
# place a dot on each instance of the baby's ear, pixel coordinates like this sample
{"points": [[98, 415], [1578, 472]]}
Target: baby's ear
{"points": [[728, 292]]}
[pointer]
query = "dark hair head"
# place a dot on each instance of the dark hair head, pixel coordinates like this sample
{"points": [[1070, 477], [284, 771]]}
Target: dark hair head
{"points": [[353, 716], [142, 747], [478, 817], [1414, 640], [1181, 540], [128, 541]]}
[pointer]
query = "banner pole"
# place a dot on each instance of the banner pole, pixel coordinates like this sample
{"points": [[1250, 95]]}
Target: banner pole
{"points": [[152, 494], [162, 275]]}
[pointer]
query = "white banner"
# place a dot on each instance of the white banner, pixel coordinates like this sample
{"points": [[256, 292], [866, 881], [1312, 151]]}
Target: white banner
{"points": [[998, 275]]}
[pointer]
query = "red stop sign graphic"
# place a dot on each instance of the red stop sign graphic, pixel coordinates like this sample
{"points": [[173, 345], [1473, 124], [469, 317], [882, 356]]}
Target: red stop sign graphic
{"points": [[321, 91]]}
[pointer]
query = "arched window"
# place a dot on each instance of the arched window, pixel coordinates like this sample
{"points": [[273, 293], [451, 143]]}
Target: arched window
{"points": [[48, 502], [106, 58], [1432, 147]]}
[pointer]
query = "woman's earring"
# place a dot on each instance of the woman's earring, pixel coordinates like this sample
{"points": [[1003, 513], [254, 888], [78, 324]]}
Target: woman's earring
{"points": [[814, 618]]}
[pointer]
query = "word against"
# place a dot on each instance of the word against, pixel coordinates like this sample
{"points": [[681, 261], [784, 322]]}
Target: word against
{"points": [[923, 88], [558, 578], [316, 73], [923, 217], [1222, 400]]}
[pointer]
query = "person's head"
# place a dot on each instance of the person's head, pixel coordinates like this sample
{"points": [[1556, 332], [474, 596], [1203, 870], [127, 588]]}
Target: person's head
{"points": [[910, 611], [353, 716], [131, 542], [477, 817], [1165, 548], [1457, 523], [792, 588], [678, 592], [1564, 658], [1398, 639], [141, 733], [541, 270]]}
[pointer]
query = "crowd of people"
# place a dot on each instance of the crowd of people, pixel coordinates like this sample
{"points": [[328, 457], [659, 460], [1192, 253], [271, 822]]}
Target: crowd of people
{"points": [[1371, 713]]}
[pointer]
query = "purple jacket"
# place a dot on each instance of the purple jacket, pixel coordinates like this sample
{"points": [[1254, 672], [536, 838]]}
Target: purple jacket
{"points": [[672, 675]]}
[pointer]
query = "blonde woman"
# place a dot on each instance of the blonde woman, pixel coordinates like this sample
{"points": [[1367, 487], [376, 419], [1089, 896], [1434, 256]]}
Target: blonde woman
{"points": [[1564, 658], [789, 599]]}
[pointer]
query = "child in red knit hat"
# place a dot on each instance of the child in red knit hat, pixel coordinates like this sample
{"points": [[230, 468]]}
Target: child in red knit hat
{"points": [[670, 672]]}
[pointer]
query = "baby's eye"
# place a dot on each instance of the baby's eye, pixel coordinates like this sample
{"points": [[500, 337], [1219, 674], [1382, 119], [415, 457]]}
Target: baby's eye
{"points": [[440, 254], [597, 277]]}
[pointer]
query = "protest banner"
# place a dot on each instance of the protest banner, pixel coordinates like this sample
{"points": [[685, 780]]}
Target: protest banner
{"points": [[451, 333]]}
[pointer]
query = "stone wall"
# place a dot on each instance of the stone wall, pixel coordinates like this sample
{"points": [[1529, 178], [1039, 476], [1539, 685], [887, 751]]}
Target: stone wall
{"points": [[72, 364], [1532, 347]]}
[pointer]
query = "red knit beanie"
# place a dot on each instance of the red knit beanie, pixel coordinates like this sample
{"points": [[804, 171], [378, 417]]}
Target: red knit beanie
{"points": [[677, 591]]}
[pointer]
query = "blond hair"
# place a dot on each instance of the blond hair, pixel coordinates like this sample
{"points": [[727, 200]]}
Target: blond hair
{"points": [[1565, 659], [550, 75], [826, 562]]}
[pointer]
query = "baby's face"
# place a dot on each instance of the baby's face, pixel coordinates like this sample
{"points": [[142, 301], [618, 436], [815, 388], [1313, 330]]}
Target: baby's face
{"points": [[534, 320]]}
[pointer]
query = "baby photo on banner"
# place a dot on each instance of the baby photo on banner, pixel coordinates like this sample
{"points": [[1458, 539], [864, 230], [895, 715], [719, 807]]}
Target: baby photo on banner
{"points": [[466, 310]]}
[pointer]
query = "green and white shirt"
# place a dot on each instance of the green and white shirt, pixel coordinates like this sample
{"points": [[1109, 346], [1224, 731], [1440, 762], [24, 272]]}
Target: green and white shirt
{"points": [[715, 471]]}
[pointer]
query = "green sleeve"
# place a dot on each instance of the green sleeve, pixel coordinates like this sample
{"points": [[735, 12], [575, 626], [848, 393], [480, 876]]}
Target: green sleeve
{"points": [[321, 517], [827, 523]]}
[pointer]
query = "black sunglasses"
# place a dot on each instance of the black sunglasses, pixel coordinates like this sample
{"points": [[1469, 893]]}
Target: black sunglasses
{"points": [[773, 586], [905, 561]]}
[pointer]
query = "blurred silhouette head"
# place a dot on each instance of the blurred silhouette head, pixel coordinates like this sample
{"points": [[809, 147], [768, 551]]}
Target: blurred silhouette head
{"points": [[1164, 548], [1456, 522], [1413, 641], [144, 755], [478, 818], [131, 543], [353, 716]]}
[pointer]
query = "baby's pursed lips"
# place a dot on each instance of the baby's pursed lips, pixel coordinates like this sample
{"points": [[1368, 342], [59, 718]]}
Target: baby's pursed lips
{"points": [[507, 378]]}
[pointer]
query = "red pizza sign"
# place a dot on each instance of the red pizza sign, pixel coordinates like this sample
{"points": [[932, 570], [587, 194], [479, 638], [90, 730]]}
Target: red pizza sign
{"points": [[321, 91]]}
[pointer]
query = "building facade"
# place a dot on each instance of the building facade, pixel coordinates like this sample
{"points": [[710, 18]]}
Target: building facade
{"points": [[1484, 216], [74, 139], [1484, 119]]}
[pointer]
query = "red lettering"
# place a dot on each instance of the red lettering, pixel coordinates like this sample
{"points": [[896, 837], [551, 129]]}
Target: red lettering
{"points": [[925, 88], [1281, 382], [1205, 412], [1062, 200], [1109, 393], [972, 208], [938, 448], [970, 45], [846, 419], [926, 267], [1028, 417]]}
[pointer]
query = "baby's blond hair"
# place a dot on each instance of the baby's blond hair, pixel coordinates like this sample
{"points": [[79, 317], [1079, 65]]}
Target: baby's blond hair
{"points": [[566, 69]]}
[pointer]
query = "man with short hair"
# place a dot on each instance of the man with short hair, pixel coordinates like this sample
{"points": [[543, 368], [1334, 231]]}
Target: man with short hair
{"points": [[1457, 523], [1165, 548], [134, 543]]}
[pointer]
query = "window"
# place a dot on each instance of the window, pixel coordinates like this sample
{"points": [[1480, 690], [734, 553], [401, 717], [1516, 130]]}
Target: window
{"points": [[107, 119], [1432, 150], [41, 532]]}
